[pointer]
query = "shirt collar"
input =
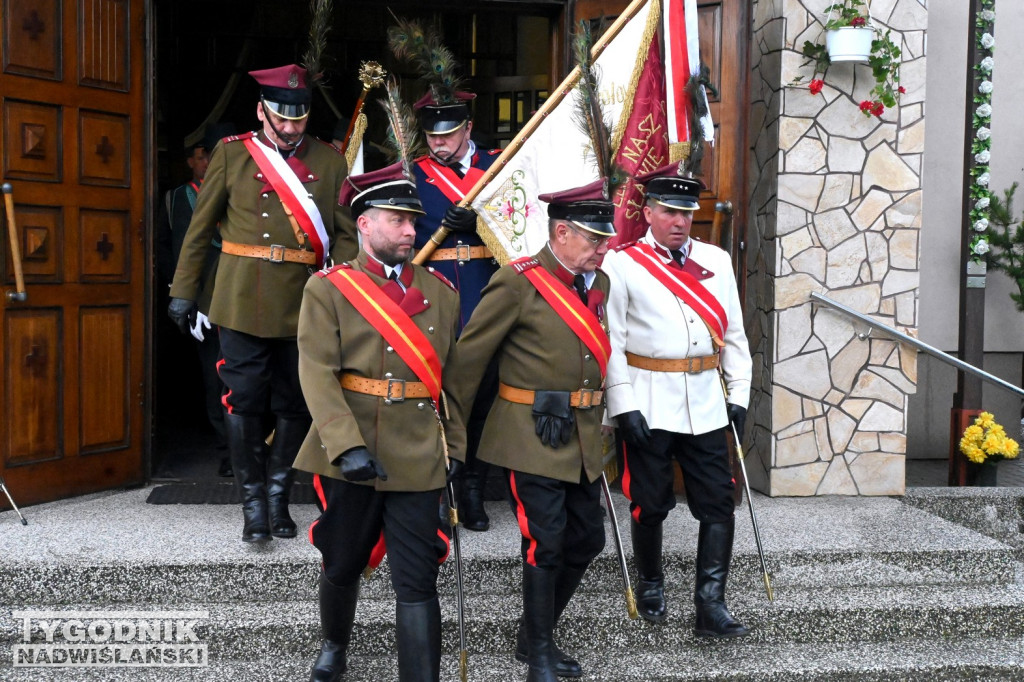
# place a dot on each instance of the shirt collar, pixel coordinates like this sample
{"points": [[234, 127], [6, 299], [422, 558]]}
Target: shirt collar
{"points": [[588, 277]]}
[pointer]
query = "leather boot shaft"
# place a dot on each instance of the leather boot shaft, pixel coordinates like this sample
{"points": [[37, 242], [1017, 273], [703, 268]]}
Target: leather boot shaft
{"points": [[714, 554], [337, 616], [288, 437], [418, 634], [472, 483], [248, 450], [650, 588], [539, 619]]}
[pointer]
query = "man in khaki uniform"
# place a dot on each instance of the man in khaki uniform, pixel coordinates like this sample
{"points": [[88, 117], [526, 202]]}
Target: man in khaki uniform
{"points": [[542, 317], [274, 195], [376, 335]]}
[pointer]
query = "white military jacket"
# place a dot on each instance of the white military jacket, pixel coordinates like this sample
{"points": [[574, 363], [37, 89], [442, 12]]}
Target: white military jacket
{"points": [[647, 319]]}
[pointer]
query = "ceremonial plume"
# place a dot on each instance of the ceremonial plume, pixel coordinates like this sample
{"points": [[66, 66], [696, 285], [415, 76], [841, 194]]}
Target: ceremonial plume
{"points": [[423, 50], [698, 110], [589, 116], [319, 26], [403, 131]]}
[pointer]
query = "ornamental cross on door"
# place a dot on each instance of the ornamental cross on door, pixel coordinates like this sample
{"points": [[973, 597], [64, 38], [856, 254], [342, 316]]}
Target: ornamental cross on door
{"points": [[104, 148], [33, 25], [104, 246]]}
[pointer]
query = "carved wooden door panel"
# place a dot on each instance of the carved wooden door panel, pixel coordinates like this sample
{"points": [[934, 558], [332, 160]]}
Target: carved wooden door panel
{"points": [[723, 34], [72, 112]]}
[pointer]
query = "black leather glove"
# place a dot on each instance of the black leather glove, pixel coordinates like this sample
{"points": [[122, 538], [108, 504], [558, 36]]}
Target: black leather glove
{"points": [[460, 219], [738, 416], [358, 464], [553, 417], [634, 429], [455, 468], [183, 312]]}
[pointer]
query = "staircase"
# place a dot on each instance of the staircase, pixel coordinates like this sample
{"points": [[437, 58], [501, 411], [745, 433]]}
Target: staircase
{"points": [[865, 589]]}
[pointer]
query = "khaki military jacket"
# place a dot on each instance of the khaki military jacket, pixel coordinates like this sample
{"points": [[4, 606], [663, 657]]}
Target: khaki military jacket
{"points": [[335, 339], [252, 295], [536, 350]]}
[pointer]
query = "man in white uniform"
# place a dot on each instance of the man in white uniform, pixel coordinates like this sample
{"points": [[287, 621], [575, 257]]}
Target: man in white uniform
{"points": [[674, 318]]}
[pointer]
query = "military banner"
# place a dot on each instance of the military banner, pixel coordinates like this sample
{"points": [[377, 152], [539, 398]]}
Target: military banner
{"points": [[557, 155]]}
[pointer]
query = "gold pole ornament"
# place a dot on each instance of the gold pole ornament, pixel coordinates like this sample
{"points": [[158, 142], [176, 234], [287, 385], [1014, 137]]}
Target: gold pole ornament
{"points": [[371, 75]]}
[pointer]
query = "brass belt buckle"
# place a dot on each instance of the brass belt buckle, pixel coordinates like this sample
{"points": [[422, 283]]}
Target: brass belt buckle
{"points": [[586, 399], [276, 249], [463, 249], [393, 397]]}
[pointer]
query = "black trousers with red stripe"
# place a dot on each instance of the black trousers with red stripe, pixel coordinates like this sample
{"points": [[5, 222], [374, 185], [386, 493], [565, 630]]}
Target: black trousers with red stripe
{"points": [[704, 458], [352, 520], [260, 374], [561, 523]]}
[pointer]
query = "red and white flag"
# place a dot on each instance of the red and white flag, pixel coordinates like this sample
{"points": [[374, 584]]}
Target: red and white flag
{"points": [[682, 60]]}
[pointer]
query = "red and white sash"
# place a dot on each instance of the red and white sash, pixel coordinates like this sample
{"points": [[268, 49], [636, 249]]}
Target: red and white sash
{"points": [[685, 287], [293, 195], [446, 180]]}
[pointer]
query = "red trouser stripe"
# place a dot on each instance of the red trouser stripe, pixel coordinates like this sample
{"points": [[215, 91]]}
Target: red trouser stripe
{"points": [[524, 524], [224, 398], [378, 553], [627, 482], [447, 546]]}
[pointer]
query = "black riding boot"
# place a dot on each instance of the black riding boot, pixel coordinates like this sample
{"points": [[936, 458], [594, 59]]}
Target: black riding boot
{"points": [[418, 634], [539, 617], [288, 437], [650, 586], [714, 551], [249, 461], [337, 614], [565, 587], [471, 503]]}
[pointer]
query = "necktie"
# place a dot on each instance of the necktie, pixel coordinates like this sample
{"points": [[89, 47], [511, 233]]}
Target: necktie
{"points": [[678, 256], [457, 169], [581, 287]]}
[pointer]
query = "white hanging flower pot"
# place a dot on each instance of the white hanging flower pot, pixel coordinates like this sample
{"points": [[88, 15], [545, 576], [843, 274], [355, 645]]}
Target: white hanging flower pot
{"points": [[849, 43]]}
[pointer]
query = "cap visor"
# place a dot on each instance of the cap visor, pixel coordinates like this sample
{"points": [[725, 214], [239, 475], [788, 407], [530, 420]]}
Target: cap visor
{"points": [[679, 204], [602, 229], [442, 127], [291, 112]]}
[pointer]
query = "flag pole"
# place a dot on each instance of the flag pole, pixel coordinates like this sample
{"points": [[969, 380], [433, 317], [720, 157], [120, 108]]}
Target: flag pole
{"points": [[520, 139]]}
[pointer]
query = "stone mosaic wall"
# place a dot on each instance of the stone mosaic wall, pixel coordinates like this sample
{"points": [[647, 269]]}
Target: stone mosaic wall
{"points": [[835, 208]]}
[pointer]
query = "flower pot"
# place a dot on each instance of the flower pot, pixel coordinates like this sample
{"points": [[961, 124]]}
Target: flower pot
{"points": [[849, 43], [982, 475]]}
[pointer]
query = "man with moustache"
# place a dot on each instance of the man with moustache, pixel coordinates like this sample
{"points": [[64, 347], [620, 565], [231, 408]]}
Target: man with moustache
{"points": [[444, 175], [542, 319], [273, 193], [376, 341], [674, 318]]}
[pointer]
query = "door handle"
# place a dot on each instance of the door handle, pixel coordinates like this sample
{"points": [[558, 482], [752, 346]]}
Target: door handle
{"points": [[723, 213], [19, 293]]}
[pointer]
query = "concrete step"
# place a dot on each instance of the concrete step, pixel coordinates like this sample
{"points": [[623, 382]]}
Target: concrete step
{"points": [[992, 660], [598, 622]]}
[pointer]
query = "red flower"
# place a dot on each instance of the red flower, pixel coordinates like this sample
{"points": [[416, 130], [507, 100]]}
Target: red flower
{"points": [[902, 89], [878, 109], [866, 105], [858, 21], [816, 86]]}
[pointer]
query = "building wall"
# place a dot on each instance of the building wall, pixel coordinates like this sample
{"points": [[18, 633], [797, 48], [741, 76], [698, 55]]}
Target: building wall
{"points": [[948, 22], [836, 206]]}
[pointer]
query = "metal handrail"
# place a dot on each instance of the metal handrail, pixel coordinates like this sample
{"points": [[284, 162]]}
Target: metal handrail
{"points": [[919, 345]]}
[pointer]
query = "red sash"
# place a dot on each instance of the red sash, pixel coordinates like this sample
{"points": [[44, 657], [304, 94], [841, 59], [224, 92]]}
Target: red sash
{"points": [[446, 180], [570, 309], [394, 325], [293, 205], [686, 287]]}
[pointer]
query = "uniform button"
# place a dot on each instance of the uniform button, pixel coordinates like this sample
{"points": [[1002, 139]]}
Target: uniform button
{"points": [[322, 446], [586, 382], [310, 176], [586, 357], [266, 235], [392, 350], [266, 215], [426, 302], [695, 343], [389, 374], [430, 330], [691, 320], [259, 175], [703, 272], [265, 195], [420, 406]]}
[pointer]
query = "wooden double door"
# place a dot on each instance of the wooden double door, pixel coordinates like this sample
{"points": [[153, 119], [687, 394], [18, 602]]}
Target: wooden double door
{"points": [[73, 100]]}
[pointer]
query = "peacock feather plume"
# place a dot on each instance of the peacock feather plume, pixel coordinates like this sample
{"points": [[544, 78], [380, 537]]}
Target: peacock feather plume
{"points": [[588, 115], [404, 142], [695, 90], [320, 12], [423, 51]]}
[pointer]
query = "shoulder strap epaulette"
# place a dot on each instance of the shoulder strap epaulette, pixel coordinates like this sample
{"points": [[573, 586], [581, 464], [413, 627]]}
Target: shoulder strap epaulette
{"points": [[521, 265], [241, 136], [441, 277], [324, 273], [493, 152], [623, 247]]}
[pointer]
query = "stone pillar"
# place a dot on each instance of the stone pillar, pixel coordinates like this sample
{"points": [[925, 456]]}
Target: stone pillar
{"points": [[835, 207]]}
